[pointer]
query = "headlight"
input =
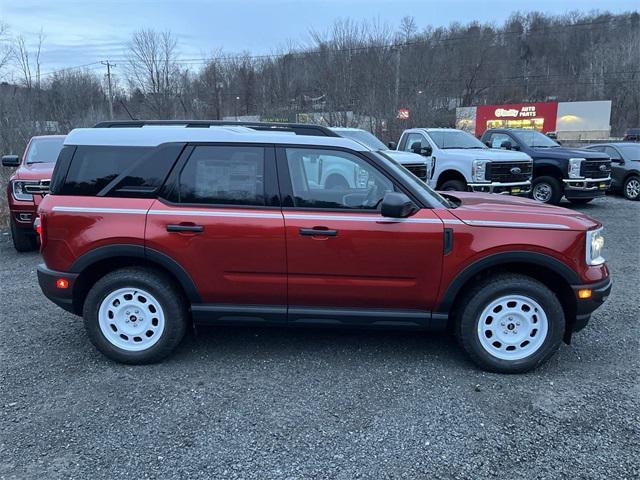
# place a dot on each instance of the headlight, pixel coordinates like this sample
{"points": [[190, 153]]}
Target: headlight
{"points": [[19, 190], [595, 244], [574, 167], [479, 170]]}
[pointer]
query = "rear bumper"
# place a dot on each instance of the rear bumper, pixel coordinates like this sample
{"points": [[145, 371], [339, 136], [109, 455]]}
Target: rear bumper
{"points": [[48, 279], [507, 188], [585, 307]]}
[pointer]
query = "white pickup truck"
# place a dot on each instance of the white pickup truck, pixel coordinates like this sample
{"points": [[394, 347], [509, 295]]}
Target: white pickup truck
{"points": [[459, 161], [415, 163]]}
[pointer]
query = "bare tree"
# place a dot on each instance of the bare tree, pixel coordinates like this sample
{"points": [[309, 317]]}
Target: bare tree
{"points": [[27, 62], [154, 70]]}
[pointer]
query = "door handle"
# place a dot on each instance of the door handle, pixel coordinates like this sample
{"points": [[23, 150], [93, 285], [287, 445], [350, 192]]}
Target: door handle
{"points": [[185, 228], [318, 232]]}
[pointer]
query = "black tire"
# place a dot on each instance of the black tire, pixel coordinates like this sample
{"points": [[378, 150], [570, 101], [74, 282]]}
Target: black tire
{"points": [[629, 193], [336, 182], [23, 242], [158, 284], [579, 201], [454, 186], [496, 287], [546, 189]]}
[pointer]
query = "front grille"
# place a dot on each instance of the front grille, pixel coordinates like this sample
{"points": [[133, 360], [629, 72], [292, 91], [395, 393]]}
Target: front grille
{"points": [[502, 171], [418, 169], [40, 188], [597, 168]]}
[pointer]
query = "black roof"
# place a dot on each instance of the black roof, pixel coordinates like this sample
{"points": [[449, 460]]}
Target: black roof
{"points": [[297, 128]]}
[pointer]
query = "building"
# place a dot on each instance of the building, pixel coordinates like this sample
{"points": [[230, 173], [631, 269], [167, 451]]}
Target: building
{"points": [[569, 120]]}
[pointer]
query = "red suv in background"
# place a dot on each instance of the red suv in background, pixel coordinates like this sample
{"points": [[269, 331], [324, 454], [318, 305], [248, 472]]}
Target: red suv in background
{"points": [[28, 185], [147, 230]]}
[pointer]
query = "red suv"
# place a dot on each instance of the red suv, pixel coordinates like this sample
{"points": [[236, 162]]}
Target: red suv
{"points": [[28, 185], [149, 229]]}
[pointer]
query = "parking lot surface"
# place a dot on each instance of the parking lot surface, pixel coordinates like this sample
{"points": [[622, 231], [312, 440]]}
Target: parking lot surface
{"points": [[277, 403]]}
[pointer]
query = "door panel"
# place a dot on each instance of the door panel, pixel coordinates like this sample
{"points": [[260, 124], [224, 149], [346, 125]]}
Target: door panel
{"points": [[370, 262], [238, 257]]}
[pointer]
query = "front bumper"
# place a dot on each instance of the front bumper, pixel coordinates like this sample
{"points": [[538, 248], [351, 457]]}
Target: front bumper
{"points": [[585, 307], [509, 188], [23, 219], [577, 186], [48, 280]]}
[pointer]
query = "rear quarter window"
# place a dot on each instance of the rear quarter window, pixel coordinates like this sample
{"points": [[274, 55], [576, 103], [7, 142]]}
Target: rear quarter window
{"points": [[119, 171]]}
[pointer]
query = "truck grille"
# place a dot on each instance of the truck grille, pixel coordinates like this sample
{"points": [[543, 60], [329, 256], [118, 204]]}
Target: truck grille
{"points": [[505, 172], [40, 188], [418, 169], [597, 168]]}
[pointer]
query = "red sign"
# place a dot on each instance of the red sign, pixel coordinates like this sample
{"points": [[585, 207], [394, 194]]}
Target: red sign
{"points": [[539, 116], [403, 114]]}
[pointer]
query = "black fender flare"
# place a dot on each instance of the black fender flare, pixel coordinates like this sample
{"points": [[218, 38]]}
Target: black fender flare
{"points": [[505, 258], [139, 251]]}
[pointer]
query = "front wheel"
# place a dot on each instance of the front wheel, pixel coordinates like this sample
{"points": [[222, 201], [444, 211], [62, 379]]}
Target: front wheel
{"points": [[22, 242], [135, 315], [510, 324], [454, 186], [546, 189], [631, 188]]}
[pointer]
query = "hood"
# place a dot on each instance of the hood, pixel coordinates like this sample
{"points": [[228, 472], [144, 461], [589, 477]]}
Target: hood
{"points": [[493, 154], [35, 171], [492, 210], [563, 153], [405, 157]]}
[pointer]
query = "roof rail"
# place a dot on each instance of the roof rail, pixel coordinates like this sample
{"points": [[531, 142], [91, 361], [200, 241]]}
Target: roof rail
{"points": [[297, 128]]}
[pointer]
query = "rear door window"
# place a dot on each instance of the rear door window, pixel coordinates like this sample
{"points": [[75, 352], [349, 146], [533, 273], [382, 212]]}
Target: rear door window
{"points": [[223, 175]]}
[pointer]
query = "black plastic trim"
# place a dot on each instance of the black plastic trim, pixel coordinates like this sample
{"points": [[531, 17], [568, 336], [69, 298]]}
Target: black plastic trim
{"points": [[47, 279], [138, 251], [227, 314], [506, 258]]}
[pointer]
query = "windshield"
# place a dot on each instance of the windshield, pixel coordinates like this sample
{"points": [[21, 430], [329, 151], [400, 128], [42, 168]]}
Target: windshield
{"points": [[533, 138], [454, 139], [410, 178], [44, 150], [630, 152], [364, 137]]}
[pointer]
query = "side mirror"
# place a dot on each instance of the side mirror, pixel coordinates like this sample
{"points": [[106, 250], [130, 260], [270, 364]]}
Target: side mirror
{"points": [[416, 147], [488, 144], [507, 145], [396, 205], [392, 145], [558, 142], [10, 161], [617, 160]]}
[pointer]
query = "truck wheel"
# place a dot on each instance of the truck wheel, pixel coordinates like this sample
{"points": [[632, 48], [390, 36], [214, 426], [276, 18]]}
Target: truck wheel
{"points": [[21, 241], [454, 185], [510, 324], [579, 201], [631, 188], [546, 189], [135, 315]]}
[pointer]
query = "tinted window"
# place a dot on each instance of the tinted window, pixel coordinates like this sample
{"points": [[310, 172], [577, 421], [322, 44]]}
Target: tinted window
{"points": [[223, 175], [498, 138], [334, 179], [93, 168], [44, 150]]}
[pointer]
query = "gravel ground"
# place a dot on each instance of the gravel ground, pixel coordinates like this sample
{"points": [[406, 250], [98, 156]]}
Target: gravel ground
{"points": [[289, 404]]}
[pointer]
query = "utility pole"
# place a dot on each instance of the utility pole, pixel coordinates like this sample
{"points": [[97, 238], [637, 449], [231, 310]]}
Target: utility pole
{"points": [[109, 65]]}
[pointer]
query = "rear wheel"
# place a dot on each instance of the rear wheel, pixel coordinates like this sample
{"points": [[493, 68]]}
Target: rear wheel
{"points": [[454, 185], [631, 188], [510, 324], [546, 189], [135, 315], [22, 242]]}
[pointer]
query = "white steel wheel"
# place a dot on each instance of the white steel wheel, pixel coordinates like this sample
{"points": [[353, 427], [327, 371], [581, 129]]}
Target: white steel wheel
{"points": [[512, 327], [131, 319]]}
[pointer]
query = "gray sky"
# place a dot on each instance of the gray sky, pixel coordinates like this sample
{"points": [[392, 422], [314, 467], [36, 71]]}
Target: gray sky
{"points": [[81, 32]]}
